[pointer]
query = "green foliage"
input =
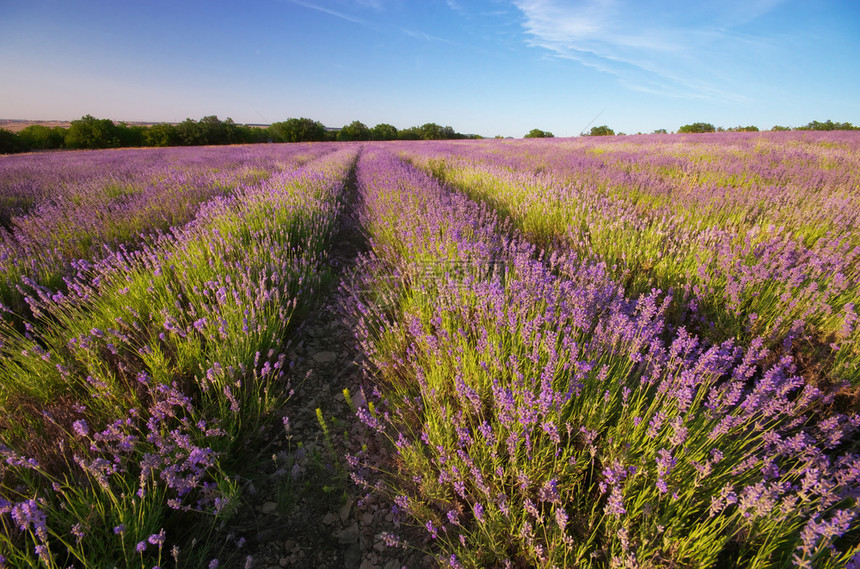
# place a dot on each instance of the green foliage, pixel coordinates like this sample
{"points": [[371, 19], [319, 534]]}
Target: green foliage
{"points": [[743, 129], [297, 130], [383, 131], [659, 131], [208, 130], [429, 131], [10, 143], [130, 136], [251, 134], [356, 130], [602, 130], [41, 137], [188, 134], [829, 125], [432, 131], [411, 133], [777, 128], [90, 132], [538, 133], [697, 127], [163, 134]]}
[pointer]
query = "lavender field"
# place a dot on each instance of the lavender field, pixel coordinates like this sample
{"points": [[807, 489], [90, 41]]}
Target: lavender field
{"points": [[636, 351]]}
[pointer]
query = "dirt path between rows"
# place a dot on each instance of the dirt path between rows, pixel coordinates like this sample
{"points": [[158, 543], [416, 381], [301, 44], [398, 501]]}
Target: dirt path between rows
{"points": [[301, 509]]}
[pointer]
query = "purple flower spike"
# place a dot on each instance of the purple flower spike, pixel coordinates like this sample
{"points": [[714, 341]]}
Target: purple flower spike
{"points": [[80, 427]]}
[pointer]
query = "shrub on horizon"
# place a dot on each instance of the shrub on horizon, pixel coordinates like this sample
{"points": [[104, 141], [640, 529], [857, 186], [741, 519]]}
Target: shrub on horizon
{"points": [[538, 133], [601, 130], [697, 127]]}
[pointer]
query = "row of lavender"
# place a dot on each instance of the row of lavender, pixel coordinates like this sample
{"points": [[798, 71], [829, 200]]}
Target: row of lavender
{"points": [[542, 415], [754, 235], [58, 209], [789, 179], [128, 394]]}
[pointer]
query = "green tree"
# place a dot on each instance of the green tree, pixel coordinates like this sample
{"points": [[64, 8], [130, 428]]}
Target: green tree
{"points": [[297, 130], [697, 127], [411, 133], [130, 135], [208, 130], [41, 137], [383, 131], [10, 142], [777, 128], [829, 125], [601, 130], [448, 133], [190, 133], [432, 131], [356, 130], [659, 131], [90, 132], [216, 131], [538, 133], [250, 134], [162, 134]]}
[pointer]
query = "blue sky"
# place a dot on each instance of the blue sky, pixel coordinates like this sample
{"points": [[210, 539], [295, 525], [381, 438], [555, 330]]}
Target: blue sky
{"points": [[491, 67]]}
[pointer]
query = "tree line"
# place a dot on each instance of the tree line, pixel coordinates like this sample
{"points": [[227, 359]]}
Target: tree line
{"points": [[698, 127], [91, 132]]}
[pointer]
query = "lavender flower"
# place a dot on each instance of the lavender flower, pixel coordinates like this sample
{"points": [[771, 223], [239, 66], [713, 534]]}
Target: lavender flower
{"points": [[80, 427], [665, 464], [29, 517]]}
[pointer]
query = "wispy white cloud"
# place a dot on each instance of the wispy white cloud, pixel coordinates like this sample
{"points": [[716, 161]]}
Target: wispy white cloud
{"points": [[424, 36], [329, 11], [671, 48], [455, 5], [377, 5]]}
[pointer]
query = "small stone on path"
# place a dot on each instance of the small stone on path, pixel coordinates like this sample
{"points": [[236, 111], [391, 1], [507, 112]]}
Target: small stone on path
{"points": [[352, 556], [324, 357], [330, 518], [269, 507], [344, 511], [349, 535]]}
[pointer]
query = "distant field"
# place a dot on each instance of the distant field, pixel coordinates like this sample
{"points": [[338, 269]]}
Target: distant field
{"points": [[14, 125], [631, 351], [19, 125]]}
